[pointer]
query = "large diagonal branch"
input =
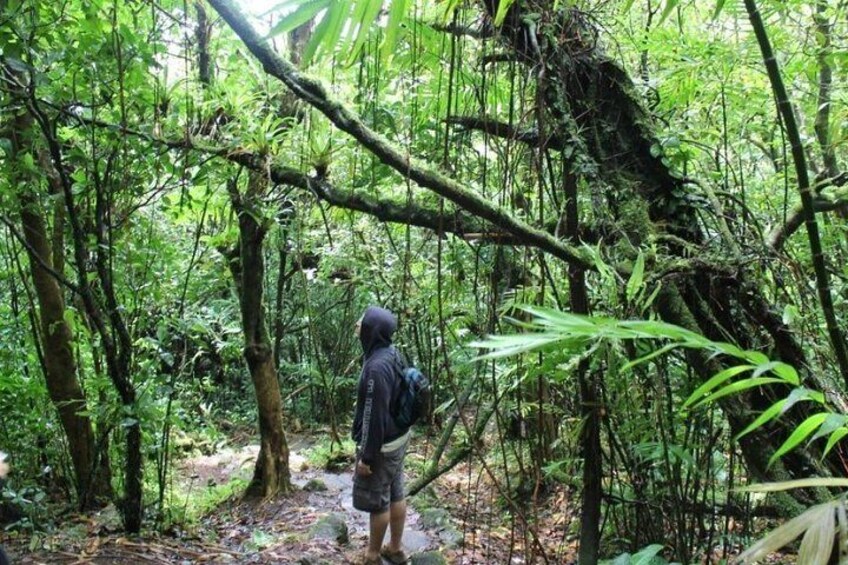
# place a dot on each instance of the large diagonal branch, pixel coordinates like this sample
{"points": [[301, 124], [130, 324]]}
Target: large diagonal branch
{"points": [[314, 93]]}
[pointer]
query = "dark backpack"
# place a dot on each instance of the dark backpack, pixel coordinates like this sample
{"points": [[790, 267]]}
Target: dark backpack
{"points": [[413, 399]]}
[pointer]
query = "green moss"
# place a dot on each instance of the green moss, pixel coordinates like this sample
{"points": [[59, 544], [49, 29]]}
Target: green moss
{"points": [[330, 455], [186, 507]]}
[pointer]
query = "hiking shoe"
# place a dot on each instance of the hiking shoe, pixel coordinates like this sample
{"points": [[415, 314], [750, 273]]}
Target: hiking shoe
{"points": [[394, 557], [363, 559]]}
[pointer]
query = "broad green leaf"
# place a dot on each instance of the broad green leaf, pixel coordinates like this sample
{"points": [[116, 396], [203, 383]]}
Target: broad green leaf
{"points": [[763, 368], [830, 425], [787, 532], [645, 358], [283, 6], [834, 439], [719, 7], [670, 5], [797, 395], [803, 430], [364, 16], [305, 12], [646, 555], [509, 345], [714, 381], [768, 414], [397, 13], [755, 357], [636, 278], [739, 386], [326, 34], [503, 8], [786, 372]]}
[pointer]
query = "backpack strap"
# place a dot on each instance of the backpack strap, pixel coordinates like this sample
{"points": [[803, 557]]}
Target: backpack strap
{"points": [[400, 367]]}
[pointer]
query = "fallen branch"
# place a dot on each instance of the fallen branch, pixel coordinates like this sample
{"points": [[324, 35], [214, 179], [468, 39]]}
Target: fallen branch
{"points": [[457, 455]]}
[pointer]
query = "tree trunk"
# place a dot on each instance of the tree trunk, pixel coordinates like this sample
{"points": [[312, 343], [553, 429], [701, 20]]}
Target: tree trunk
{"points": [[271, 475], [590, 433], [60, 370]]}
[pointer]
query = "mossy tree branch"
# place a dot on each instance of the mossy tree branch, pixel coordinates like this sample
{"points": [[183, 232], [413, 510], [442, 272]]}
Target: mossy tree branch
{"points": [[314, 93]]}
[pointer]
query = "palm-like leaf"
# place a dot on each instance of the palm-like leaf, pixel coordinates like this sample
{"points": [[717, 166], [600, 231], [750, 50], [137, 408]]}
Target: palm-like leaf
{"points": [[342, 26], [820, 526]]}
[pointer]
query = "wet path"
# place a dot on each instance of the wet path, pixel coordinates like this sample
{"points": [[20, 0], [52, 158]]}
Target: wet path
{"points": [[335, 498]]}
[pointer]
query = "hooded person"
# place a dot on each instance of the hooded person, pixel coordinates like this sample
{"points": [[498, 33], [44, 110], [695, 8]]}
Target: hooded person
{"points": [[381, 445], [4, 470]]}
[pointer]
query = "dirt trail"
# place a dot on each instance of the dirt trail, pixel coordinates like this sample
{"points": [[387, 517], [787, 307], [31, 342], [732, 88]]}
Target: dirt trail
{"points": [[277, 531], [293, 517]]}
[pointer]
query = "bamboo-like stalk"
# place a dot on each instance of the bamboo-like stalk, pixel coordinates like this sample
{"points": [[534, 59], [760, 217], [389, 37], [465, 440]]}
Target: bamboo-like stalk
{"points": [[800, 162]]}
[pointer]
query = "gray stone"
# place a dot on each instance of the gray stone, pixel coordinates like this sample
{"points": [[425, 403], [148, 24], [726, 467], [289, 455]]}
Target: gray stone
{"points": [[434, 518], [315, 485], [451, 537], [428, 558], [330, 527], [415, 540]]}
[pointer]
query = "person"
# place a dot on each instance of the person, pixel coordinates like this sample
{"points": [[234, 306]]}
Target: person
{"points": [[4, 470], [381, 445]]}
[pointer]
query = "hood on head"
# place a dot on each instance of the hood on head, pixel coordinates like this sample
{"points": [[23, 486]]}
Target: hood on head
{"points": [[376, 330]]}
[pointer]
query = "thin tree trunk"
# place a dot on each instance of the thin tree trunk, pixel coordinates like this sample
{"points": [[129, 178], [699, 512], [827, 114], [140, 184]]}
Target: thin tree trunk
{"points": [[271, 475], [590, 433], [824, 36], [201, 34], [282, 278]]}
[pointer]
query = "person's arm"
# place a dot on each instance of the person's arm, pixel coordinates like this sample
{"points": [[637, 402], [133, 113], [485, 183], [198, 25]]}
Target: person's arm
{"points": [[4, 467]]}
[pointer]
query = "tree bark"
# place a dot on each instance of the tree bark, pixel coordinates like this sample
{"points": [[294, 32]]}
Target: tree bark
{"points": [[590, 433], [108, 320], [91, 469], [271, 475]]}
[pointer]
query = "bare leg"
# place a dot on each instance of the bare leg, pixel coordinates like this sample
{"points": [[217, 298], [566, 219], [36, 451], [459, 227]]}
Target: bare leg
{"points": [[379, 523], [397, 515]]}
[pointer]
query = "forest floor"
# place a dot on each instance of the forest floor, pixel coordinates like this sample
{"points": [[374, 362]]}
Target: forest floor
{"points": [[459, 518]]}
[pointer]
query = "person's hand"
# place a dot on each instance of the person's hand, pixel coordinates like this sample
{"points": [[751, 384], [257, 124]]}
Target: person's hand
{"points": [[4, 467], [362, 469]]}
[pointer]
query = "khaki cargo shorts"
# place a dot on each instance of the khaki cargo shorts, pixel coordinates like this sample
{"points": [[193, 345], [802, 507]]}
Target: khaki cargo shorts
{"points": [[383, 486]]}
